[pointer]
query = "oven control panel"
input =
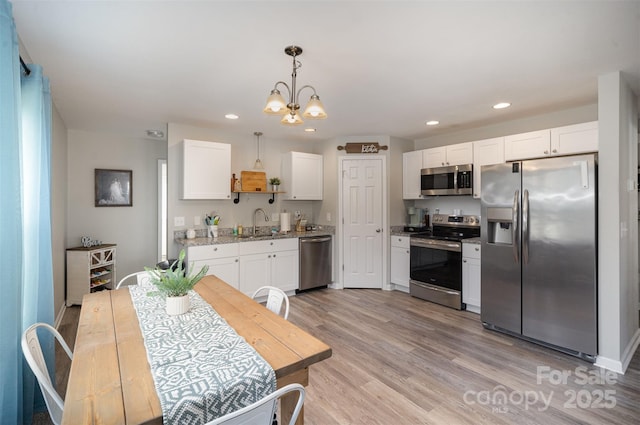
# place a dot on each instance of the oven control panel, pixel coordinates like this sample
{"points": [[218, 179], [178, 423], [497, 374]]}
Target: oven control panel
{"points": [[456, 220]]}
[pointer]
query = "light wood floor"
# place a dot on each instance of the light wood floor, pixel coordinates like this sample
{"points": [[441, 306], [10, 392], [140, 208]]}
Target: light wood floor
{"points": [[400, 360]]}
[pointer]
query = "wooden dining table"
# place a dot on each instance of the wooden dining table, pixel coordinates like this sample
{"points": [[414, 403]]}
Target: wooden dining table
{"points": [[110, 380]]}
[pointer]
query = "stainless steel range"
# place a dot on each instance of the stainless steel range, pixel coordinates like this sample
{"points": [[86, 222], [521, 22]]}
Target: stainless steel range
{"points": [[436, 259]]}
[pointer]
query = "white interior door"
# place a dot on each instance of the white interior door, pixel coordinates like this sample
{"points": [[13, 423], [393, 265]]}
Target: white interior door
{"points": [[362, 213]]}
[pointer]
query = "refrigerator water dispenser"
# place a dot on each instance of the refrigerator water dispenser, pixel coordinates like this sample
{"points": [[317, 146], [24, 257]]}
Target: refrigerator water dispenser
{"points": [[500, 226]]}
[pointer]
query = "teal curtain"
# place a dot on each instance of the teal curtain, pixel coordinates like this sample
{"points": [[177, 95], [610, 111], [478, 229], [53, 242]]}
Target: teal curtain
{"points": [[25, 229], [10, 222], [37, 286]]}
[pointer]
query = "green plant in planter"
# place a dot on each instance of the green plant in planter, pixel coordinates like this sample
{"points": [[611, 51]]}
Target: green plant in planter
{"points": [[274, 181], [175, 282]]}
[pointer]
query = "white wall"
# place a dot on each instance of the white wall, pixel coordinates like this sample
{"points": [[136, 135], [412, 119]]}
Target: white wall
{"points": [[58, 207], [618, 205], [133, 229], [243, 156]]}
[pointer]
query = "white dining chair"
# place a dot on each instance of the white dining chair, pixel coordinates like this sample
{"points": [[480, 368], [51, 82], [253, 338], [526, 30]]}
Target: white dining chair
{"points": [[32, 351], [262, 411], [142, 278], [275, 298]]}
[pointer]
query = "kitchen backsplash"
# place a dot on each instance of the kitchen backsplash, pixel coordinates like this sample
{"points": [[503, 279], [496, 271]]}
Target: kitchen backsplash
{"points": [[446, 204]]}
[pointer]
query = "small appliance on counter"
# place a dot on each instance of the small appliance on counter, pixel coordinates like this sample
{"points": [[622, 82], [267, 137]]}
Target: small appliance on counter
{"points": [[418, 220]]}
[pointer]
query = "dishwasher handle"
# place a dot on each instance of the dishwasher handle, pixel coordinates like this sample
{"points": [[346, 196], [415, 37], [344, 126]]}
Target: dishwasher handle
{"points": [[315, 240]]}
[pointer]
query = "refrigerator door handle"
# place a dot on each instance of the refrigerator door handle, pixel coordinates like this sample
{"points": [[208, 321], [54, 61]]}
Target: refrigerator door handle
{"points": [[514, 227], [525, 227]]}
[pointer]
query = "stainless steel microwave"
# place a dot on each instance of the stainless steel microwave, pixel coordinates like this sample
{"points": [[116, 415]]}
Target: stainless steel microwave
{"points": [[452, 180]]}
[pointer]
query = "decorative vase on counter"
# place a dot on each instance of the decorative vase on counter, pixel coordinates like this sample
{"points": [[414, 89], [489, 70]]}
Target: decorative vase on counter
{"points": [[178, 305]]}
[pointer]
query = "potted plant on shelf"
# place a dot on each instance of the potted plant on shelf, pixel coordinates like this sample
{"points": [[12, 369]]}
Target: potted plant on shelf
{"points": [[175, 283], [274, 182]]}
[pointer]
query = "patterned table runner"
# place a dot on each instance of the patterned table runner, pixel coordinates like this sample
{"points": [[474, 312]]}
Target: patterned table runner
{"points": [[201, 367]]}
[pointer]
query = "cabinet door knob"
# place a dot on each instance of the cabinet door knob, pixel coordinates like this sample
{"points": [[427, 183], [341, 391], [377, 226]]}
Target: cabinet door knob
{"points": [[215, 249], [546, 152], [274, 255], [442, 163], [555, 151], [464, 261], [236, 260]]}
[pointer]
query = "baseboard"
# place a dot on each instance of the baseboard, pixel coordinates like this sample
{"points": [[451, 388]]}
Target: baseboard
{"points": [[401, 288], [620, 366], [60, 316], [630, 350], [473, 308]]}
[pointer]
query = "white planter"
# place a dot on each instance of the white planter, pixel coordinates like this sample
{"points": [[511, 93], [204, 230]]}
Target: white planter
{"points": [[178, 305]]}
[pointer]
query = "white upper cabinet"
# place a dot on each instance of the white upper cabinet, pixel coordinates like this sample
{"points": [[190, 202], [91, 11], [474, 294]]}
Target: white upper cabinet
{"points": [[206, 167], [534, 144], [411, 166], [578, 138], [458, 154], [485, 152], [567, 140], [434, 157], [302, 175]]}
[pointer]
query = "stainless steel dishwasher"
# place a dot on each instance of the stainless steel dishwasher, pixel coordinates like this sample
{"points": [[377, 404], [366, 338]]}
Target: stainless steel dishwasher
{"points": [[315, 262]]}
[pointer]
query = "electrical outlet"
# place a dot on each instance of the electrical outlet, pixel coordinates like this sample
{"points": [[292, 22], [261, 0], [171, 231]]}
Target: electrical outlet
{"points": [[275, 216], [297, 214], [196, 220], [328, 216], [178, 221]]}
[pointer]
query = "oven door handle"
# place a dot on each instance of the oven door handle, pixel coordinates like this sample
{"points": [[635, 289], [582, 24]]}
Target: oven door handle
{"points": [[437, 244]]}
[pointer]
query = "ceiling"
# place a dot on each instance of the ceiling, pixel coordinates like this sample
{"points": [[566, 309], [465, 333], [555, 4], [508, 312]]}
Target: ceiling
{"points": [[379, 67]]}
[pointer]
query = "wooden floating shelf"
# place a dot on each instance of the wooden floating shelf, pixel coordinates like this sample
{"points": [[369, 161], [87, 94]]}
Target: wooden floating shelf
{"points": [[259, 192]]}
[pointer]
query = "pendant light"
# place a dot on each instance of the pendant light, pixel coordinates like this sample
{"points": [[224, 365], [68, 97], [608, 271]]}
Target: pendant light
{"points": [[276, 105], [258, 164]]}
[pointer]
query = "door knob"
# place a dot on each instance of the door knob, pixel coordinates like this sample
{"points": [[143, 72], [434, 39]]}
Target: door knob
{"points": [[378, 230]]}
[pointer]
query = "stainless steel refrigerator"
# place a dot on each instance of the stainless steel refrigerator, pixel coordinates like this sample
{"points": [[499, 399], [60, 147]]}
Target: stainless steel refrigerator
{"points": [[539, 251]]}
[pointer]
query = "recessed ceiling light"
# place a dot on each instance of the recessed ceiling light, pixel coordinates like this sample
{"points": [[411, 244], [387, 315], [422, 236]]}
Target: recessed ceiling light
{"points": [[501, 105], [310, 130], [231, 116], [433, 122], [156, 134]]}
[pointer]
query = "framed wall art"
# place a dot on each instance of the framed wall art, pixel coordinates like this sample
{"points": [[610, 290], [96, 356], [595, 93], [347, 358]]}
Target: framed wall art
{"points": [[114, 188]]}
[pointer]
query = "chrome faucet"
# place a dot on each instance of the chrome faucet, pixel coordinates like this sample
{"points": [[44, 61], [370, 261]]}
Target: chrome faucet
{"points": [[254, 218]]}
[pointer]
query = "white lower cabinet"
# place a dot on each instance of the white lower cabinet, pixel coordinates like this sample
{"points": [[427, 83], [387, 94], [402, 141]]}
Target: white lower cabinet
{"points": [[269, 262], [400, 262], [223, 261], [471, 276]]}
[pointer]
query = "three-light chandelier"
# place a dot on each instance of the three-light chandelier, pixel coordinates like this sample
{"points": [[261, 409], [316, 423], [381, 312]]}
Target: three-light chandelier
{"points": [[276, 104]]}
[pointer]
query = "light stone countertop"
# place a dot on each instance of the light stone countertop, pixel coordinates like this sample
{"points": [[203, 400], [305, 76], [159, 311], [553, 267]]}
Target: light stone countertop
{"points": [[476, 241], [226, 239]]}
